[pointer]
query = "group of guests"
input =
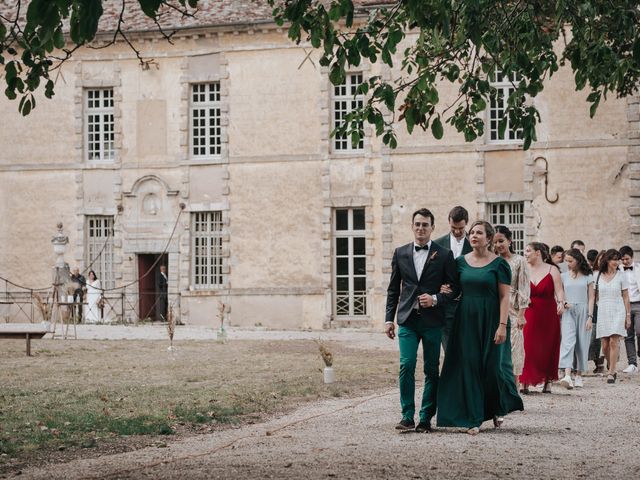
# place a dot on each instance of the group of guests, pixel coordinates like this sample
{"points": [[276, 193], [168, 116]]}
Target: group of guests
{"points": [[505, 321]]}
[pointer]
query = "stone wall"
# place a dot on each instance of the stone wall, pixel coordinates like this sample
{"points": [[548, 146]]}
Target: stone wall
{"points": [[278, 181]]}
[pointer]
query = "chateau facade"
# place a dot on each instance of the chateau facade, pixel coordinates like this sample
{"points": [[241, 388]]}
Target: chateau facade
{"points": [[216, 159]]}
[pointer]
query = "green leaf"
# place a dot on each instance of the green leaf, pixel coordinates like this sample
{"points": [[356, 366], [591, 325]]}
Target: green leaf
{"points": [[436, 128], [150, 7], [410, 118], [337, 75]]}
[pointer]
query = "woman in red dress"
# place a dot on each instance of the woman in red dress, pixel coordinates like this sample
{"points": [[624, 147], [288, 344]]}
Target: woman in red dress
{"points": [[542, 328]]}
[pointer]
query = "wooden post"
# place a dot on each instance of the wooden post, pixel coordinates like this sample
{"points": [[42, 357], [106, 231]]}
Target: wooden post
{"points": [[28, 345]]}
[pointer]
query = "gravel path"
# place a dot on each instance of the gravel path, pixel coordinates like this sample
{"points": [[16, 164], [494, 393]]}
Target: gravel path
{"points": [[588, 433]]}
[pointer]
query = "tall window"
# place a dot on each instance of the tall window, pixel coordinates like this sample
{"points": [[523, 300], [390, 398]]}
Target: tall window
{"points": [[99, 249], [510, 214], [350, 262], [206, 132], [206, 248], [345, 100], [99, 124], [504, 87]]}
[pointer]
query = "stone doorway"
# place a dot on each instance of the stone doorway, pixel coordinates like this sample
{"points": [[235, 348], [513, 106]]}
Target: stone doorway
{"points": [[150, 298]]}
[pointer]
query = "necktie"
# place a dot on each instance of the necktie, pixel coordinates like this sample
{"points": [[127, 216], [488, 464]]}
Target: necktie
{"points": [[424, 247], [627, 268]]}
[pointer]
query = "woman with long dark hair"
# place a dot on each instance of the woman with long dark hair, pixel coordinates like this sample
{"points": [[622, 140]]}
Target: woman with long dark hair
{"points": [[614, 309], [518, 297], [577, 319], [94, 291], [542, 330]]}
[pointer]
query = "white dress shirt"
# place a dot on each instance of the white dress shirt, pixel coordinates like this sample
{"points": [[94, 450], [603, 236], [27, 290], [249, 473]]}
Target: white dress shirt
{"points": [[456, 246], [420, 258], [632, 280]]}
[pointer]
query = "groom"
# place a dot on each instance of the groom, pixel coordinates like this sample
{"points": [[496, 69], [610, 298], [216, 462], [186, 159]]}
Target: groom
{"points": [[418, 270]]}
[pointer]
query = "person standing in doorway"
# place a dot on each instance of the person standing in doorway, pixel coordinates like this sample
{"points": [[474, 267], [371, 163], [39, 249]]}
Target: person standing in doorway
{"points": [[418, 270], [456, 241], [632, 272], [163, 287]]}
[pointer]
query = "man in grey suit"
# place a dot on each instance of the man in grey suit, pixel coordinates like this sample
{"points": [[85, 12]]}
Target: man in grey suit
{"points": [[418, 270], [456, 241]]}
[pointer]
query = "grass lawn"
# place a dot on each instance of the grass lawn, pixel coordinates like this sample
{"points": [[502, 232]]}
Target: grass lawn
{"points": [[74, 395]]}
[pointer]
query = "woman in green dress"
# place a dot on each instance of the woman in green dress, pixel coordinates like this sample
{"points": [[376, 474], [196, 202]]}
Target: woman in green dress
{"points": [[473, 386]]}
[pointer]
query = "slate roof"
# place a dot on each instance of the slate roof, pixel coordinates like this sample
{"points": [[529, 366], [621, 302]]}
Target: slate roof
{"points": [[208, 13]]}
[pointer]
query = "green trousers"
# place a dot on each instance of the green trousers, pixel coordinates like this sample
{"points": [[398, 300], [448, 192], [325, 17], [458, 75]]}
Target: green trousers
{"points": [[409, 336]]}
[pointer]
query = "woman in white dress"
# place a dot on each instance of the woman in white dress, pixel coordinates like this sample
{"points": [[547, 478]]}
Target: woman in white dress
{"points": [[94, 292], [614, 309]]}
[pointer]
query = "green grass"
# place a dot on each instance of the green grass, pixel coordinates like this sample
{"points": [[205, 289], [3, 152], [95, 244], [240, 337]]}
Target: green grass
{"points": [[83, 393]]}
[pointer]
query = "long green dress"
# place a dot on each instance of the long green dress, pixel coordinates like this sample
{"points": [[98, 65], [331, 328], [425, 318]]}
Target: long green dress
{"points": [[475, 385]]}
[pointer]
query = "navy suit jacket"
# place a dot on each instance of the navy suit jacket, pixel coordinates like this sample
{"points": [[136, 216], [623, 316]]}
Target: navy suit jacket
{"points": [[405, 287]]}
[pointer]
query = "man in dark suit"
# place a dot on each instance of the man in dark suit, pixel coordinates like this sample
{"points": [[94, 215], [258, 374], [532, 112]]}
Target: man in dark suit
{"points": [[418, 270], [456, 241], [78, 292], [163, 287]]}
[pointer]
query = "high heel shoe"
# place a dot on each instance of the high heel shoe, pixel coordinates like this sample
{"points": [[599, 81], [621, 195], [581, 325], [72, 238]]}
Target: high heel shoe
{"points": [[547, 387], [525, 389], [497, 421]]}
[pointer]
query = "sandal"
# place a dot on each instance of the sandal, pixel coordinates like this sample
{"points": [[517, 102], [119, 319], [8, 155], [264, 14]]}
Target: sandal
{"points": [[473, 431], [611, 378], [497, 421], [547, 387], [525, 389]]}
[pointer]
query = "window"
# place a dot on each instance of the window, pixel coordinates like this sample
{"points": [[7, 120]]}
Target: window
{"points": [[345, 100], [510, 214], [99, 124], [99, 249], [504, 87], [206, 249], [350, 262], [206, 132]]}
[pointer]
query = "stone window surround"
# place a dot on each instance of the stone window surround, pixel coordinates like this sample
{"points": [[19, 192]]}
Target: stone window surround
{"points": [[503, 85], [82, 83], [186, 80], [186, 267], [326, 121]]}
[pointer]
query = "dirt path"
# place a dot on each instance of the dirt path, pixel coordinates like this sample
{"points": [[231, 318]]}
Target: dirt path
{"points": [[588, 433]]}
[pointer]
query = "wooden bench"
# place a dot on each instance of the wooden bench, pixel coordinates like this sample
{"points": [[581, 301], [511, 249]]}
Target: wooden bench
{"points": [[26, 331]]}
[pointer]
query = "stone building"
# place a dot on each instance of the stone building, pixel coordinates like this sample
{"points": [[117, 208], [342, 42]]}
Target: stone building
{"points": [[216, 159]]}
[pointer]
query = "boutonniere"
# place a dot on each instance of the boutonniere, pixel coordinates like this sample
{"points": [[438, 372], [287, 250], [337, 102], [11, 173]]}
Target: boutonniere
{"points": [[433, 255]]}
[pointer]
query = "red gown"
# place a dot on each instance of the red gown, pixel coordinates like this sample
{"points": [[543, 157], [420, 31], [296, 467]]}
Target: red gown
{"points": [[541, 335]]}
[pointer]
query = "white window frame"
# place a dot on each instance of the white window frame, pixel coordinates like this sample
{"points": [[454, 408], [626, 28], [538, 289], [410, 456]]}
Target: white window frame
{"points": [[205, 120], [99, 248], [207, 261], [350, 303], [510, 214], [344, 100], [498, 105], [99, 125]]}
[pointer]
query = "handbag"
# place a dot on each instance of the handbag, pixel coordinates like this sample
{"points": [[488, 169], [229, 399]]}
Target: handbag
{"points": [[595, 302]]}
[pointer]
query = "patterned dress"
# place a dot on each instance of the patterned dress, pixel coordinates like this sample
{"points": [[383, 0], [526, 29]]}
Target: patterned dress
{"points": [[518, 300], [611, 309]]}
